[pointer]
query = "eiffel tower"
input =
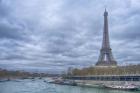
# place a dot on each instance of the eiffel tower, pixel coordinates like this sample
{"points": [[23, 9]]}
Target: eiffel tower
{"points": [[106, 57]]}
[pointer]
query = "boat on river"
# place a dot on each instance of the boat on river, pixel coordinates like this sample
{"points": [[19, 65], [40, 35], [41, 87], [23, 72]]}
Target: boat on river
{"points": [[123, 87], [63, 82]]}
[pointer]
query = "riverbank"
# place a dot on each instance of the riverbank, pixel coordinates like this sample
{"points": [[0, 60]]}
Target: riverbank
{"points": [[130, 85]]}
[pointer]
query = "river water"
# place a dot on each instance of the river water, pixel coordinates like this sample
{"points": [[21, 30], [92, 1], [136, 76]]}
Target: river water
{"points": [[39, 86]]}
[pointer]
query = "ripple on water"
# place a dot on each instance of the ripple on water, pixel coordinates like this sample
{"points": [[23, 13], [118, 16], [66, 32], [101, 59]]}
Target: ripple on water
{"points": [[38, 86]]}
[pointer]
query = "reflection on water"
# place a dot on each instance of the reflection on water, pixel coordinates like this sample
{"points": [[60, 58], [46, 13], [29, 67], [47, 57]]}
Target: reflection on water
{"points": [[38, 86]]}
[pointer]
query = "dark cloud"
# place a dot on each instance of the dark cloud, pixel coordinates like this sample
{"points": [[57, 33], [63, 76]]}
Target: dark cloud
{"points": [[10, 31], [4, 11]]}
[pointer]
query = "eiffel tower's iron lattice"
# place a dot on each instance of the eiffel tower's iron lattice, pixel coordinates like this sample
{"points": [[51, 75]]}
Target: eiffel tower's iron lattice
{"points": [[106, 58]]}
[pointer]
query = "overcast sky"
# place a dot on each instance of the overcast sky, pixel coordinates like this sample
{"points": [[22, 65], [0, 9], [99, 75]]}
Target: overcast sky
{"points": [[52, 35]]}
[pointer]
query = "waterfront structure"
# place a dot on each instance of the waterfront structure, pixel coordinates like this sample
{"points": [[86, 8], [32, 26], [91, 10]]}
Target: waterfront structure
{"points": [[106, 58], [107, 78]]}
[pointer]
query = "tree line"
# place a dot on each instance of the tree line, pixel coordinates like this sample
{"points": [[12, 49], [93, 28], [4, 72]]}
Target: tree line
{"points": [[119, 70], [19, 74]]}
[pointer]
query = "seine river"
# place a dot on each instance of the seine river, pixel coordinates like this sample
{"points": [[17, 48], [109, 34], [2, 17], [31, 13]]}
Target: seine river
{"points": [[39, 86]]}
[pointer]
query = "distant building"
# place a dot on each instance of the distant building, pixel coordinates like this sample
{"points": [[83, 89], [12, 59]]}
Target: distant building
{"points": [[106, 57]]}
